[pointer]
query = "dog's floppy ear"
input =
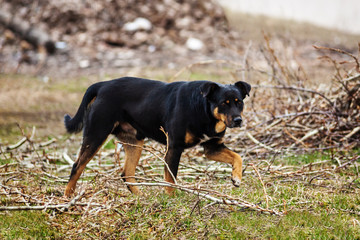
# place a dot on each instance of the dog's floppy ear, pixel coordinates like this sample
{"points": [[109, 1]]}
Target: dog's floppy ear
{"points": [[243, 87], [208, 88]]}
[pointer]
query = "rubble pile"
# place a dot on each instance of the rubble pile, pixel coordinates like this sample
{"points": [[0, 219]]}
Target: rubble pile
{"points": [[89, 29]]}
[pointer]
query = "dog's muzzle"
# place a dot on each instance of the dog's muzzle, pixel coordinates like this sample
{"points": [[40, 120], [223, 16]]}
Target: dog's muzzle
{"points": [[236, 122]]}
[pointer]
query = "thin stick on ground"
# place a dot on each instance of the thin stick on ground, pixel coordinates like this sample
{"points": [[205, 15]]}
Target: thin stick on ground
{"points": [[262, 183], [206, 194], [167, 149], [61, 207]]}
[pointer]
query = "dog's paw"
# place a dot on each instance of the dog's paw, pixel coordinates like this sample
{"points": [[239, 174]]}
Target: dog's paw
{"points": [[236, 181]]}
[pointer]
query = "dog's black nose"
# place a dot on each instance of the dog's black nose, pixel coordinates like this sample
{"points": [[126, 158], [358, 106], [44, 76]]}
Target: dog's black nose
{"points": [[238, 121]]}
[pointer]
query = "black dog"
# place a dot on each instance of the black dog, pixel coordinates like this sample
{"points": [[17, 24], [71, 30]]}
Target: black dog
{"points": [[134, 108]]}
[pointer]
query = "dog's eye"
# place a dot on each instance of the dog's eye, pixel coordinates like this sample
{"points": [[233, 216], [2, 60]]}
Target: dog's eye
{"points": [[238, 102], [225, 103]]}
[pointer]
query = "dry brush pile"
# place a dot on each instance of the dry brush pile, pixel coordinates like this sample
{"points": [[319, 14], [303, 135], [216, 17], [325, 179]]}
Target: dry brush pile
{"points": [[109, 34]]}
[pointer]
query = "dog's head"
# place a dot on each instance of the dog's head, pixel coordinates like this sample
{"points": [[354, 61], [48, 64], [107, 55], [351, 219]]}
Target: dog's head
{"points": [[226, 101]]}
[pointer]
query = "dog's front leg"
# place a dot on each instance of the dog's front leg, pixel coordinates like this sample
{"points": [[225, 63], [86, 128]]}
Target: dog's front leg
{"points": [[217, 151], [172, 160]]}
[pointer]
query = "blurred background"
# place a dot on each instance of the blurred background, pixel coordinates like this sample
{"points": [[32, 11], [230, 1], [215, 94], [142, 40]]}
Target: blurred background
{"points": [[50, 38], [335, 14], [52, 50]]}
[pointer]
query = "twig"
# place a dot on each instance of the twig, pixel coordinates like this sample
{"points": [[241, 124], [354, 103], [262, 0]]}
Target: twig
{"points": [[73, 201], [228, 201], [283, 69], [89, 203], [310, 134], [17, 145], [348, 163], [342, 52], [251, 137], [294, 138], [47, 143], [352, 78], [354, 131], [262, 183], [245, 61], [68, 159], [296, 89], [62, 207]]}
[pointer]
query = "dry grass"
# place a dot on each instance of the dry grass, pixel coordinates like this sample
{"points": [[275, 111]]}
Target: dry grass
{"points": [[33, 176]]}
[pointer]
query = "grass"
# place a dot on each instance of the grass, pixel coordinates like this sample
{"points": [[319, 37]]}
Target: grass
{"points": [[295, 225], [326, 207], [26, 225], [302, 159]]}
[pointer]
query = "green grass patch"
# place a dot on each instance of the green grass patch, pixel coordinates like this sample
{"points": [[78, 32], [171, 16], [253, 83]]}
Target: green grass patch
{"points": [[26, 225], [109, 144], [294, 225], [302, 159]]}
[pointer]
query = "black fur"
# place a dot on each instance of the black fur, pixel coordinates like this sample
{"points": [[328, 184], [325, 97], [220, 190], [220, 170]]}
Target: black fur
{"points": [[140, 107]]}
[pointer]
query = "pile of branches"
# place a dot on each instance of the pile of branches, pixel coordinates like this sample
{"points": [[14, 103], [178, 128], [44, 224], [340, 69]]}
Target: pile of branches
{"points": [[312, 120], [287, 110], [296, 112], [87, 22], [90, 29]]}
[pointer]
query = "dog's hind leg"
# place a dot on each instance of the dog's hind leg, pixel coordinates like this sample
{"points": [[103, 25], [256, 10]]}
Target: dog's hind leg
{"points": [[133, 149], [87, 152], [97, 129]]}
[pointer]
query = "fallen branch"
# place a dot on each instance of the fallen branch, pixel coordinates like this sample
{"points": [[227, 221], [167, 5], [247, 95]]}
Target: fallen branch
{"points": [[296, 89], [200, 192], [18, 144], [47, 143], [262, 183], [342, 52], [348, 163], [68, 159], [61, 207], [251, 137], [354, 131]]}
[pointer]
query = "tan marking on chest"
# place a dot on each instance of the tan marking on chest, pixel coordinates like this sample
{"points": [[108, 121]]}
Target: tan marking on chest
{"points": [[189, 138], [220, 127]]}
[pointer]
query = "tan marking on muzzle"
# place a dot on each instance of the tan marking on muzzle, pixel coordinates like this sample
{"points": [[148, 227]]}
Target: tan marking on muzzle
{"points": [[219, 116]]}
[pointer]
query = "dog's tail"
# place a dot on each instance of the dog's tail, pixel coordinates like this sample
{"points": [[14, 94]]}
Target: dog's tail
{"points": [[75, 124]]}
